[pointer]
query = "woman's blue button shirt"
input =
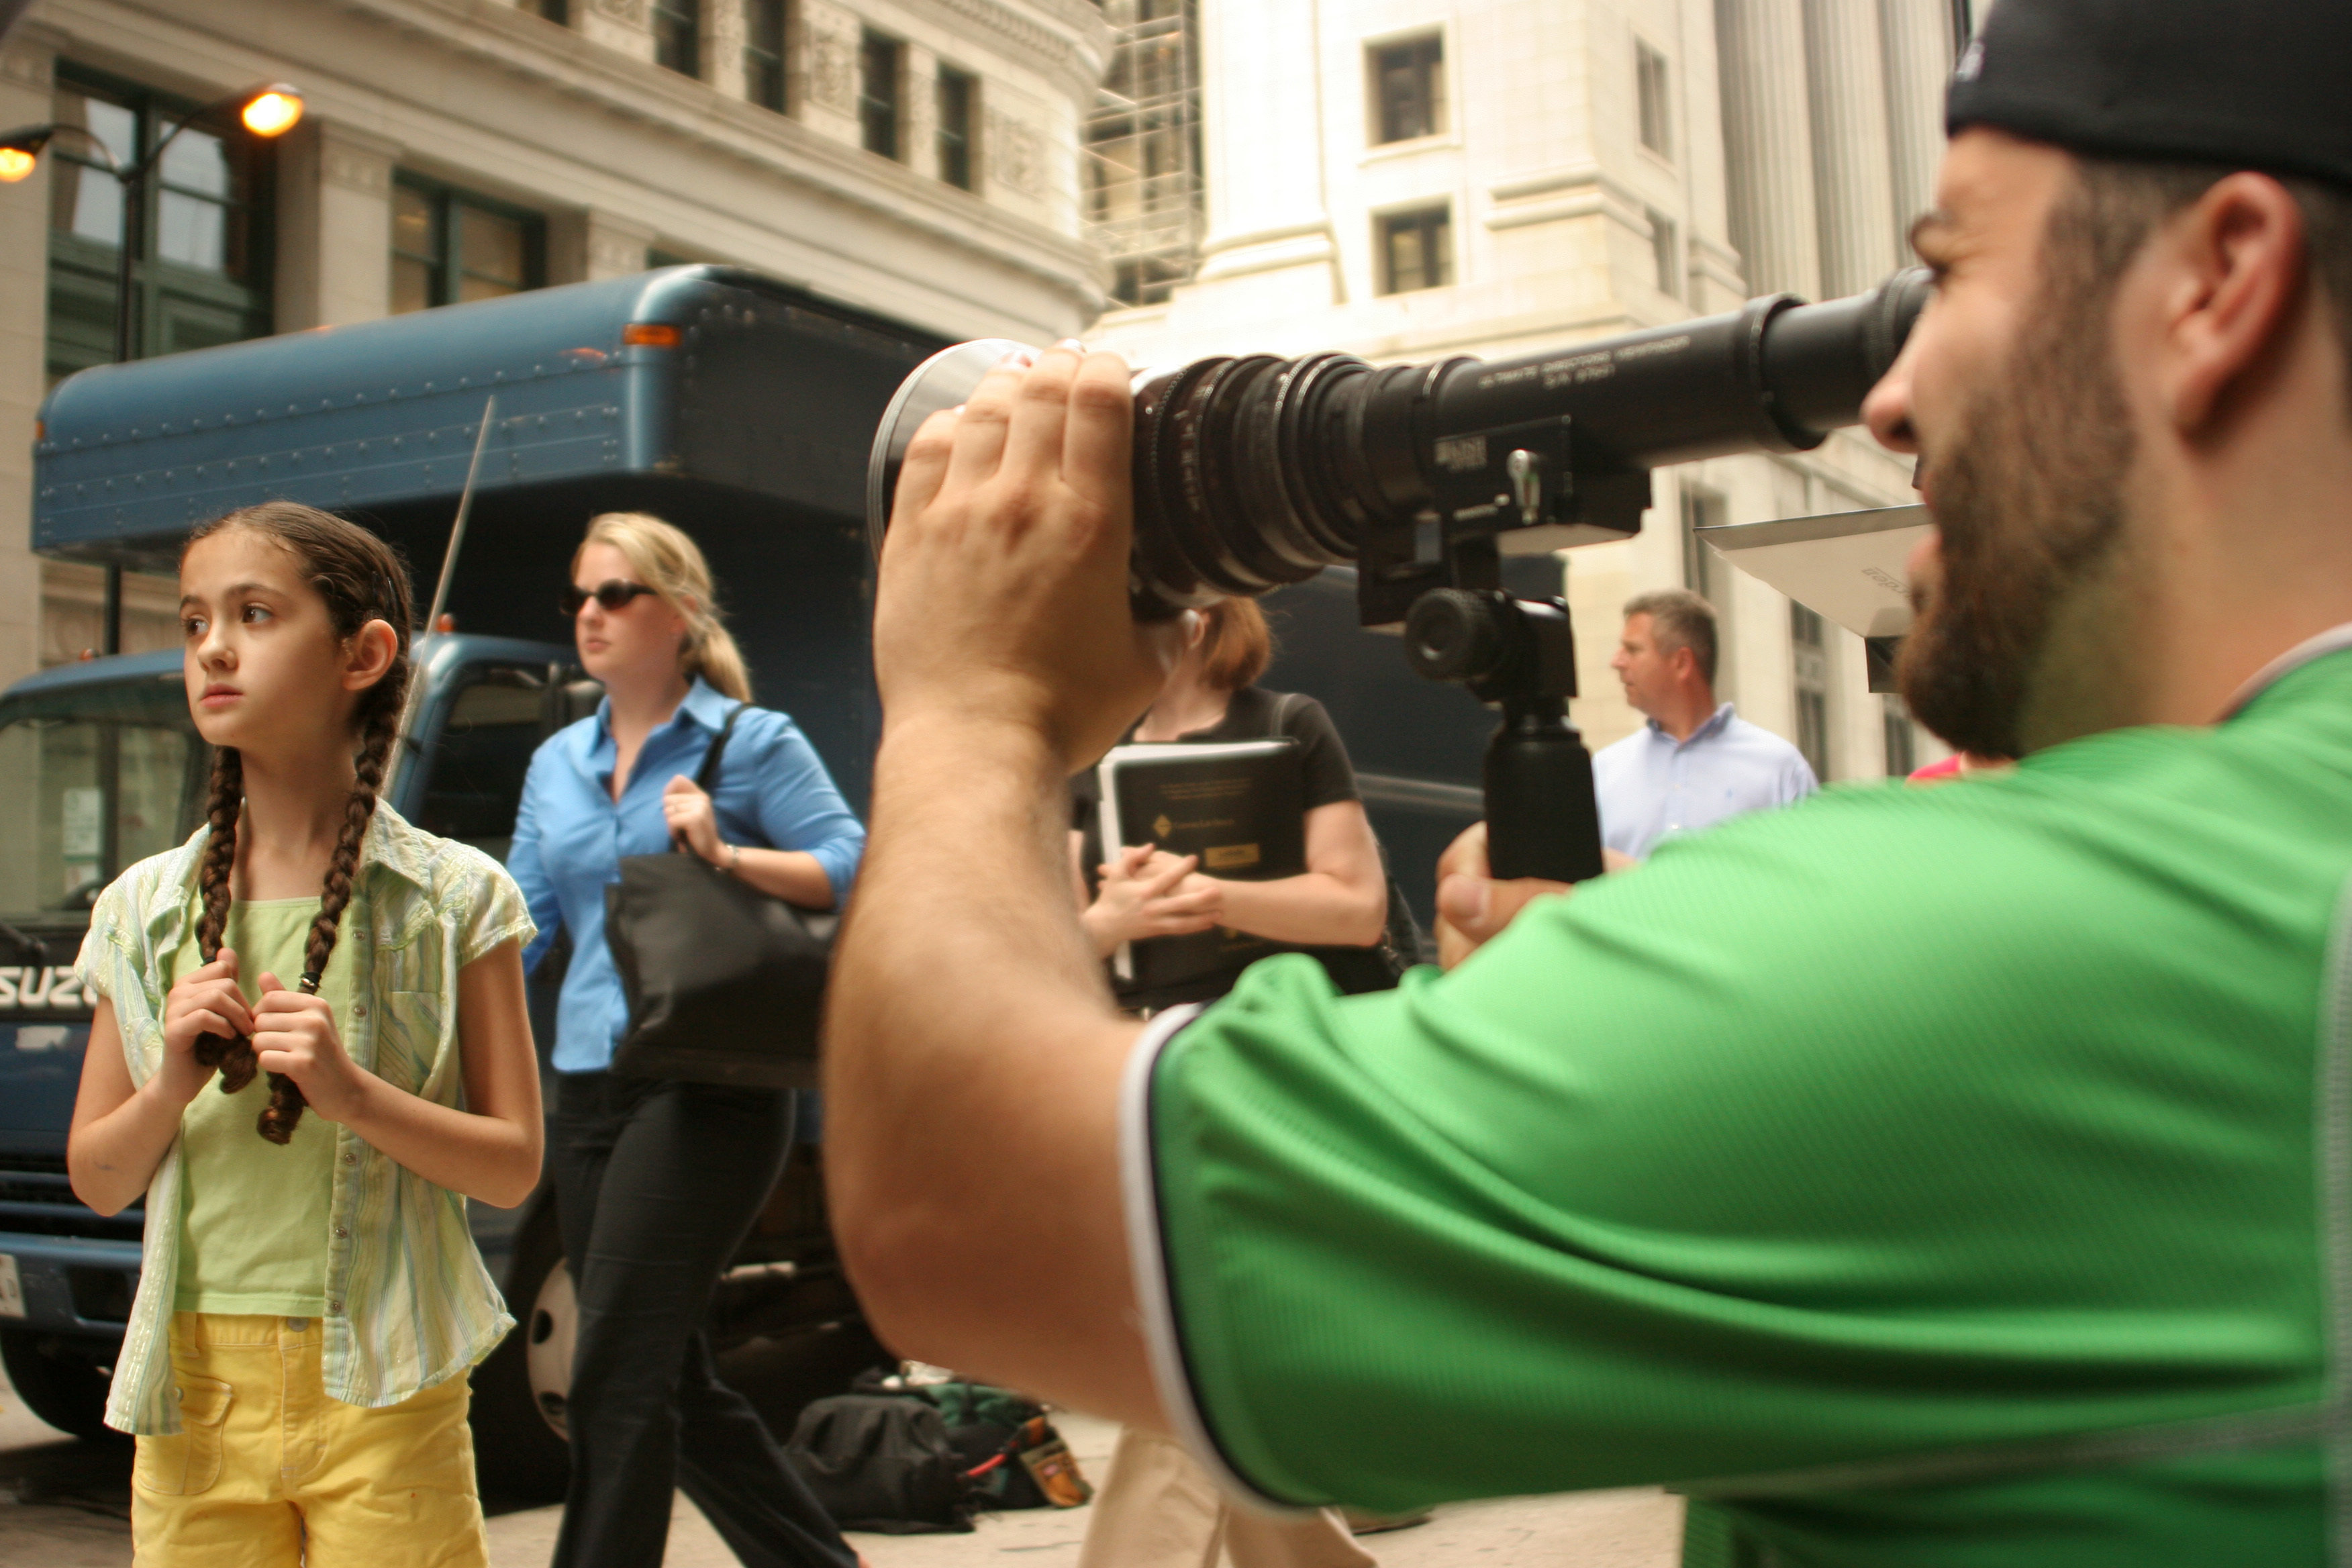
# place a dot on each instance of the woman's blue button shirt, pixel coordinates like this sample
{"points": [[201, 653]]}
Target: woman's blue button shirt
{"points": [[773, 793]]}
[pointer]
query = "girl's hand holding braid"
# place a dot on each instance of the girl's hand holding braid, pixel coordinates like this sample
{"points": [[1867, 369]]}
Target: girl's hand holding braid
{"points": [[203, 1003], [295, 1034]]}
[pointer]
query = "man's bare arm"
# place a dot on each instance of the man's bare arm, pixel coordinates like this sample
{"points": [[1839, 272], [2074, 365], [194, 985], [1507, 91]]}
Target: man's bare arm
{"points": [[974, 1056]]}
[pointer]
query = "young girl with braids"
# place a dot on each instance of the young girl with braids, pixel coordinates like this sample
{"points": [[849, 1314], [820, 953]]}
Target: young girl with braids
{"points": [[310, 1048]]}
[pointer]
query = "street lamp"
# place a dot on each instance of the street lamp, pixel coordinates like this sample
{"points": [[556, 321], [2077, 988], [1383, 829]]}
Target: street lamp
{"points": [[271, 110]]}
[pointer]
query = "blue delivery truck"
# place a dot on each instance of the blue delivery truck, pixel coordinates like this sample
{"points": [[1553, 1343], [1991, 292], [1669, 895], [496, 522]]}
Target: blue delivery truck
{"points": [[734, 405]]}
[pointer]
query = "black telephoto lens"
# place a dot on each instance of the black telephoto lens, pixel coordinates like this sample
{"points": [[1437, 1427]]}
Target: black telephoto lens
{"points": [[1254, 471]]}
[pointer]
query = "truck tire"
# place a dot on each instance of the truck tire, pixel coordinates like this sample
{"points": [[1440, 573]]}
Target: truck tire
{"points": [[519, 1452], [64, 1388]]}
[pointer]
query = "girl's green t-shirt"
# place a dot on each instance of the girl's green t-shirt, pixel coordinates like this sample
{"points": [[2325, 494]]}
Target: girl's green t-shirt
{"points": [[252, 1215]]}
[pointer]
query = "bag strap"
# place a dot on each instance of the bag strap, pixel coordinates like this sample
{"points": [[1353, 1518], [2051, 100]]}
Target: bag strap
{"points": [[707, 775], [1282, 712]]}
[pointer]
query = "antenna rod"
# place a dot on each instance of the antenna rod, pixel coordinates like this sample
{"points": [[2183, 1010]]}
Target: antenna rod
{"points": [[416, 699]]}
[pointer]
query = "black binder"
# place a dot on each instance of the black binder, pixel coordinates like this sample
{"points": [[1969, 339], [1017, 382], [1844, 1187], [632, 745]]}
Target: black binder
{"points": [[1240, 806]]}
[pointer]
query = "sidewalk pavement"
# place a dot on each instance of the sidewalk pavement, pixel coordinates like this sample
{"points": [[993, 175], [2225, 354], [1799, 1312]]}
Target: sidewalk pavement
{"points": [[1640, 1529], [66, 1505]]}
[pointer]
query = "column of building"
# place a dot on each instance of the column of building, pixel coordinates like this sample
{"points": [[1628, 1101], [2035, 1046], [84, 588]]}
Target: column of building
{"points": [[1918, 45], [1262, 147], [1853, 180], [1768, 144], [620, 24], [334, 226], [1831, 112], [1767, 141]]}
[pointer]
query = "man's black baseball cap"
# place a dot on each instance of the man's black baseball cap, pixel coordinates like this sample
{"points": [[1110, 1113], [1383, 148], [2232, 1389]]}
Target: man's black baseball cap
{"points": [[2261, 84]]}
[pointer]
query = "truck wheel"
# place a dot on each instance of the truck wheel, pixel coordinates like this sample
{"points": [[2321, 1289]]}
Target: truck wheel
{"points": [[518, 1445], [64, 1388]]}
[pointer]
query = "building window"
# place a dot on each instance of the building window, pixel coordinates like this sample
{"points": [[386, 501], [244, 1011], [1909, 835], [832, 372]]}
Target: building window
{"points": [[957, 93], [878, 93], [1705, 573], [678, 36], [1408, 89], [1416, 251], [1651, 95], [763, 53], [1810, 663], [556, 11], [1902, 739], [1701, 509], [448, 246], [203, 274], [1666, 252]]}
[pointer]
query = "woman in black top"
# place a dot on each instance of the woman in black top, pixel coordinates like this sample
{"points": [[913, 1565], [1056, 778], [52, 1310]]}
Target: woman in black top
{"points": [[1158, 1507], [1339, 907]]}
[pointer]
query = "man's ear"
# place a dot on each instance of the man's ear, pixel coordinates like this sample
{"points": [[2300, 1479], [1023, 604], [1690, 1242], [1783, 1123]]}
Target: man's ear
{"points": [[2236, 261], [371, 652], [1683, 662]]}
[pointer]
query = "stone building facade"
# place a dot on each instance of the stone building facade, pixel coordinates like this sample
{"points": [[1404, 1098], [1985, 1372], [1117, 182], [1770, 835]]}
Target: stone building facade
{"points": [[918, 158], [1404, 179]]}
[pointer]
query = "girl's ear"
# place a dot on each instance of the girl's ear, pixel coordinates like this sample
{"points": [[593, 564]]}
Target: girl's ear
{"points": [[369, 655]]}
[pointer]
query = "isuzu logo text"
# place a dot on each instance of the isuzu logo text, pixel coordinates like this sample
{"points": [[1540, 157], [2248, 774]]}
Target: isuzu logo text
{"points": [[56, 989]]}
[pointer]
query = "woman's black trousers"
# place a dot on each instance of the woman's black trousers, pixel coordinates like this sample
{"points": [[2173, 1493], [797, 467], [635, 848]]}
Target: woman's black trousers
{"points": [[655, 1185]]}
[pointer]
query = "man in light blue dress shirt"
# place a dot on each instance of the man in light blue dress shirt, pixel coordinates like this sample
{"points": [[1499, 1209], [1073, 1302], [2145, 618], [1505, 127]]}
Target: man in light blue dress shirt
{"points": [[1695, 761]]}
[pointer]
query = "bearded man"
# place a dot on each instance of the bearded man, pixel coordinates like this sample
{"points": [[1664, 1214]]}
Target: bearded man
{"points": [[1955, 1177]]}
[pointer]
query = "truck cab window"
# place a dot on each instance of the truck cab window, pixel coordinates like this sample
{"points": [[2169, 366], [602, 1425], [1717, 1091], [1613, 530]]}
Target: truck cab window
{"points": [[105, 780], [481, 754]]}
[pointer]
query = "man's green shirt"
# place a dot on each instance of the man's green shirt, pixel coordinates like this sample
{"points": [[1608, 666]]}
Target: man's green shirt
{"points": [[1938, 1177]]}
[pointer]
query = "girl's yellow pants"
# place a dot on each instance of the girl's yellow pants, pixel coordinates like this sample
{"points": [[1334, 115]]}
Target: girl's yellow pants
{"points": [[267, 1470]]}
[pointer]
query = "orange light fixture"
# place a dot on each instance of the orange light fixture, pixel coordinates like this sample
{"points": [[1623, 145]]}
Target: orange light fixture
{"points": [[15, 164], [650, 335], [274, 111]]}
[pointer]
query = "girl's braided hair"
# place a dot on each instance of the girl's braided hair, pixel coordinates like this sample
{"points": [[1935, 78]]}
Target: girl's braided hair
{"points": [[361, 579]]}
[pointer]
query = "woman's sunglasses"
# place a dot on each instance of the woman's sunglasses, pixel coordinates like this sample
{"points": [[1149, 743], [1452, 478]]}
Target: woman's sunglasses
{"points": [[613, 594]]}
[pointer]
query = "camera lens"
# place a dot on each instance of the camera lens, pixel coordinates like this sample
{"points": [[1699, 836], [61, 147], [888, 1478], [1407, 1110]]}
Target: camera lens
{"points": [[1225, 504]]}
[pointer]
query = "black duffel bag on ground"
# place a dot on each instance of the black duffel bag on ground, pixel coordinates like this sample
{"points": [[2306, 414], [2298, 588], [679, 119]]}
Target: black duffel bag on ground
{"points": [[725, 984], [1011, 1456], [882, 1463]]}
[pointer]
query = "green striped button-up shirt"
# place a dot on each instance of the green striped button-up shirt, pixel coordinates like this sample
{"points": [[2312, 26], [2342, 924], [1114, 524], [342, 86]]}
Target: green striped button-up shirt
{"points": [[409, 1303]]}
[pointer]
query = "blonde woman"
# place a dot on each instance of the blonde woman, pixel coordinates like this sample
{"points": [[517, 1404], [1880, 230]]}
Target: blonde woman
{"points": [[656, 1181]]}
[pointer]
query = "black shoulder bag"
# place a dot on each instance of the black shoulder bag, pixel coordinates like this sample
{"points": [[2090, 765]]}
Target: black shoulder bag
{"points": [[725, 984]]}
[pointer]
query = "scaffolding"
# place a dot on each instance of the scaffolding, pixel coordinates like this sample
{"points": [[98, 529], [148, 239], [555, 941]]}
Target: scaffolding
{"points": [[1143, 149]]}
